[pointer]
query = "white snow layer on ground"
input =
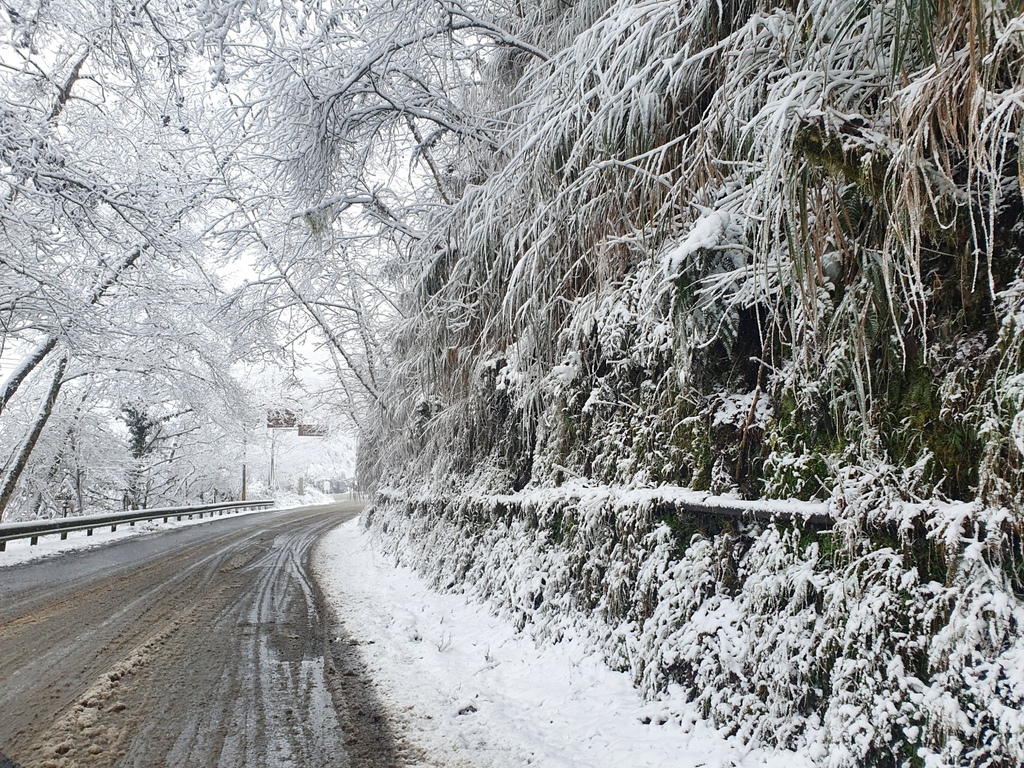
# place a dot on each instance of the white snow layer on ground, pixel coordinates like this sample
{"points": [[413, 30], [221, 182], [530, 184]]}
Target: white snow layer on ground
{"points": [[465, 689]]}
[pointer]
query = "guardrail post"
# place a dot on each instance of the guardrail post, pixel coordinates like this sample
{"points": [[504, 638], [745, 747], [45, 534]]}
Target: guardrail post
{"points": [[33, 541], [88, 532], [63, 535], [113, 528], [3, 546]]}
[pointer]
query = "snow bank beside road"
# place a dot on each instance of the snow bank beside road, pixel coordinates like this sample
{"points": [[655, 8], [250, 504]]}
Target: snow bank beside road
{"points": [[466, 689]]}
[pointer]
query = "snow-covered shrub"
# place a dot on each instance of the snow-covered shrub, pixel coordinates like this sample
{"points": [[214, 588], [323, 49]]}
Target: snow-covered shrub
{"points": [[829, 641]]}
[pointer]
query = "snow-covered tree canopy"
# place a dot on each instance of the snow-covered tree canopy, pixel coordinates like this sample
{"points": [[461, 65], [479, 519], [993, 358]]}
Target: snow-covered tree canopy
{"points": [[117, 160]]}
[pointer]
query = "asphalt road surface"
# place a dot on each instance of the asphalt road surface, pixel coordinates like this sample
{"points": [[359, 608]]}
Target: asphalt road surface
{"points": [[207, 645]]}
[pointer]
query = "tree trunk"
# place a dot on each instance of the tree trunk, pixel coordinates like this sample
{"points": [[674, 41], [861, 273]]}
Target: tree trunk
{"points": [[20, 460], [24, 369], [39, 354]]}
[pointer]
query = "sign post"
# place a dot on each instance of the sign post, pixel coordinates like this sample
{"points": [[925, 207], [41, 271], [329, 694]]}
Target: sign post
{"points": [[284, 418]]}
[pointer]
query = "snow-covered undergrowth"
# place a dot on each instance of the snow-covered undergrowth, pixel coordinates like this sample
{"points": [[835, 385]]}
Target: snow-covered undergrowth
{"points": [[829, 642]]}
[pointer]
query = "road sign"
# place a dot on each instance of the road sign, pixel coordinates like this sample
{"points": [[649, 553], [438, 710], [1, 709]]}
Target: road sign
{"points": [[282, 418]]}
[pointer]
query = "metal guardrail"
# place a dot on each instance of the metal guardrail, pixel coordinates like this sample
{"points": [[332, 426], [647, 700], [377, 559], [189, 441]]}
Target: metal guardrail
{"points": [[811, 513], [667, 499], [33, 529]]}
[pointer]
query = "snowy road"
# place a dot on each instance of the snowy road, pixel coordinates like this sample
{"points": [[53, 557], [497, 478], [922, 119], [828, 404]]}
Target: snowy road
{"points": [[201, 646]]}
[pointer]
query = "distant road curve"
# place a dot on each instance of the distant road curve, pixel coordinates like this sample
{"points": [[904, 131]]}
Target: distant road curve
{"points": [[199, 646]]}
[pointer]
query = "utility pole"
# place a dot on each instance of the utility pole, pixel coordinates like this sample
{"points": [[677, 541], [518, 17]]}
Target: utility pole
{"points": [[244, 457], [273, 450]]}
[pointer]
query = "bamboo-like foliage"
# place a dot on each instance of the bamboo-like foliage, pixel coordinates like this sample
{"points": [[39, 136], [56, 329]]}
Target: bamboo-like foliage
{"points": [[847, 173]]}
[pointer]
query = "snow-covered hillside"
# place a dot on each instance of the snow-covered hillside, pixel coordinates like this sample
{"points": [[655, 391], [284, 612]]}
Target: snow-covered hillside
{"points": [[769, 249]]}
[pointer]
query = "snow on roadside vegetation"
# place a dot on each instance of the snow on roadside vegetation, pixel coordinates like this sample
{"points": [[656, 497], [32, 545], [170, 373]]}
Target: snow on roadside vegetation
{"points": [[848, 650], [466, 688]]}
